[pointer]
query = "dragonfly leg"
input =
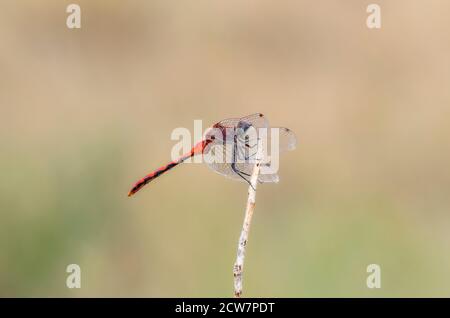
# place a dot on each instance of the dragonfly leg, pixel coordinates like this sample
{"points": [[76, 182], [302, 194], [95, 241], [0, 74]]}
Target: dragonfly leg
{"points": [[237, 171], [241, 174]]}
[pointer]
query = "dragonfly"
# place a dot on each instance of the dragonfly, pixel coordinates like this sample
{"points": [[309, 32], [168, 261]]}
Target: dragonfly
{"points": [[231, 147]]}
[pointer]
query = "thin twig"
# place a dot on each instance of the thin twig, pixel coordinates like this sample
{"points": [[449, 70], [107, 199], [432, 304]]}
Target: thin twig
{"points": [[239, 264]]}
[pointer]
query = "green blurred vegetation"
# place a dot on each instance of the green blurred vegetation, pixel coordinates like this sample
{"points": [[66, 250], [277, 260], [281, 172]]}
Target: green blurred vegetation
{"points": [[52, 208]]}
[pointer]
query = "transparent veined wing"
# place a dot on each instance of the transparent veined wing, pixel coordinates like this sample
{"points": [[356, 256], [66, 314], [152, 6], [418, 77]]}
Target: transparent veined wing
{"points": [[235, 163], [256, 120], [283, 137], [219, 158]]}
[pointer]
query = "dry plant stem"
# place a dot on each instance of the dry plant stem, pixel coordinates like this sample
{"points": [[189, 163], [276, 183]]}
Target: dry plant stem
{"points": [[239, 264]]}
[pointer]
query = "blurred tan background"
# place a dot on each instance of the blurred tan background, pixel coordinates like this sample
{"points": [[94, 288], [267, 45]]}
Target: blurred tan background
{"points": [[85, 113]]}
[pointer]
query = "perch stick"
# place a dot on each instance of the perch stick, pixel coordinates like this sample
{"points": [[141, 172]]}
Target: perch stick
{"points": [[239, 264]]}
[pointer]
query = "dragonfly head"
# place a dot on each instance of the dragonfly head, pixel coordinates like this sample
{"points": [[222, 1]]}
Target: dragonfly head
{"points": [[213, 134]]}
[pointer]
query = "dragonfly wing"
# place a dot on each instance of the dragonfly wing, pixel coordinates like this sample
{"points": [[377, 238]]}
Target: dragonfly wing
{"points": [[225, 169], [247, 169], [286, 140], [218, 158], [257, 120], [269, 178], [236, 152], [220, 161]]}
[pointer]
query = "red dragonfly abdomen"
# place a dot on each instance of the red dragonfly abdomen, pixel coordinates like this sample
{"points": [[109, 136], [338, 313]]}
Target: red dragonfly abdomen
{"points": [[198, 149], [142, 182]]}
